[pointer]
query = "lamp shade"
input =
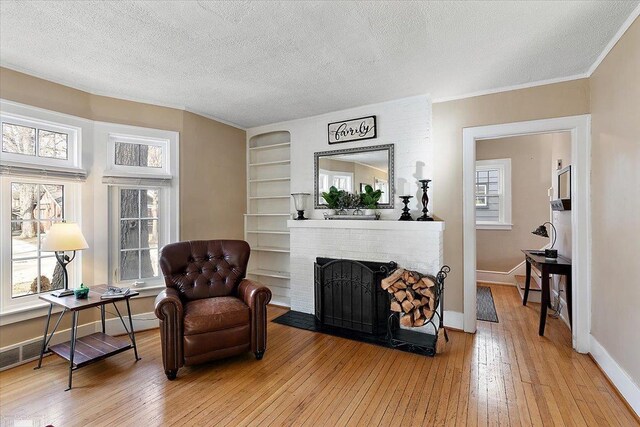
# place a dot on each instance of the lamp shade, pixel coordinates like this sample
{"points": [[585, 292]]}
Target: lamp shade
{"points": [[541, 231], [64, 236]]}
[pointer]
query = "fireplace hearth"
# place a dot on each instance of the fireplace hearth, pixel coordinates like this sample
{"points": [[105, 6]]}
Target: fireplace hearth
{"points": [[348, 295]]}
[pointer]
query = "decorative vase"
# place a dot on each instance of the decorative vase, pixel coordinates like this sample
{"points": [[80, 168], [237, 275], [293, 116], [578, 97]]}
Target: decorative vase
{"points": [[330, 212], [369, 212], [300, 200]]}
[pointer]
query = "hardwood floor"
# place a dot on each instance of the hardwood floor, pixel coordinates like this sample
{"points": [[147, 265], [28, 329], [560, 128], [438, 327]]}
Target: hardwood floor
{"points": [[505, 374]]}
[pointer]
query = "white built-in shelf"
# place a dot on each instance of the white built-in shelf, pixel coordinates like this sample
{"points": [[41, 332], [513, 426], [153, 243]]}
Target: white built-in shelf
{"points": [[278, 162], [267, 147], [267, 232], [270, 249], [284, 178], [269, 177], [268, 214], [268, 197], [270, 273]]}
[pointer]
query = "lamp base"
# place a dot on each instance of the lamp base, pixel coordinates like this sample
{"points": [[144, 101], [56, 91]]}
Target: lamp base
{"points": [[551, 253], [62, 293]]}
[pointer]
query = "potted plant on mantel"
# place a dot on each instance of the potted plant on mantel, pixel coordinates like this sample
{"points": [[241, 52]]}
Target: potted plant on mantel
{"points": [[369, 199], [332, 198]]}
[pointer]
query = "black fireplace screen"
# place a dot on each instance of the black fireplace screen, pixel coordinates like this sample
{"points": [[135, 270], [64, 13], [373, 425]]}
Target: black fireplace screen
{"points": [[348, 294]]}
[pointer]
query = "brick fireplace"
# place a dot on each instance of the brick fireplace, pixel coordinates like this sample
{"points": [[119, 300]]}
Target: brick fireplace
{"points": [[413, 245]]}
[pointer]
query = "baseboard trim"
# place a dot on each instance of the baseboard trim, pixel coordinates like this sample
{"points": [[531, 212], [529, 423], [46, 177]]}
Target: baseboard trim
{"points": [[141, 322], [490, 282], [617, 376], [497, 277]]}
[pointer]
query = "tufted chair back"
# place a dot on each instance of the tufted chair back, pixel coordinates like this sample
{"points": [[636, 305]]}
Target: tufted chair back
{"points": [[204, 268]]}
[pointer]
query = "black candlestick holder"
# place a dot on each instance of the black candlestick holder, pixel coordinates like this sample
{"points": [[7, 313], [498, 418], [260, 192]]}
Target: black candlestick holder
{"points": [[425, 200], [406, 216]]}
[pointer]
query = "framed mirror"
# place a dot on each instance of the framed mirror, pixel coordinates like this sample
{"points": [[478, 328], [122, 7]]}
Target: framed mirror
{"points": [[352, 169], [564, 183]]}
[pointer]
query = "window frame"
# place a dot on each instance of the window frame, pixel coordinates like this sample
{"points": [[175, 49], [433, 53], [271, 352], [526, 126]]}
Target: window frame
{"points": [[74, 134], [114, 169], [116, 176], [505, 202], [164, 233], [8, 304]]}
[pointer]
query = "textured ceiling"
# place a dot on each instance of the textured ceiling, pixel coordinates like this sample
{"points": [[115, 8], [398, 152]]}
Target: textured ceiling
{"points": [[253, 63]]}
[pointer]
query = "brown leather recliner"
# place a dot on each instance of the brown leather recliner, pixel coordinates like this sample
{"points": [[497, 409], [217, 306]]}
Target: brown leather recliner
{"points": [[209, 310]]}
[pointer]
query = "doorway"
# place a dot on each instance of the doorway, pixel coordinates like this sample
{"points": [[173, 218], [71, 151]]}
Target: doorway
{"points": [[579, 129]]}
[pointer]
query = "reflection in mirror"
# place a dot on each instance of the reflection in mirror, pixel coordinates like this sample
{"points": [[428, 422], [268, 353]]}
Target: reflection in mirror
{"points": [[564, 183], [353, 169]]}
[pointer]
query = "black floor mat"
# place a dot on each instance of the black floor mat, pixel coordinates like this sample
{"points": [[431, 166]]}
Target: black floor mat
{"points": [[485, 307]]}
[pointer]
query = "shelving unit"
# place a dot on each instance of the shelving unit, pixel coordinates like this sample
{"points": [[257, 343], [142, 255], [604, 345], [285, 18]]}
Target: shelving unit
{"points": [[268, 209]]}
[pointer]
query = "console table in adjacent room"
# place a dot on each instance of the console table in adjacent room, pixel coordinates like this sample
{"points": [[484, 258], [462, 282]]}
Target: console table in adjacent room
{"points": [[91, 348], [547, 266]]}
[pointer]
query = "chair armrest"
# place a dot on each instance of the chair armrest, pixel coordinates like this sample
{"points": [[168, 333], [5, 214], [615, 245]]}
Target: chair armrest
{"points": [[168, 304], [170, 312], [256, 296], [253, 293]]}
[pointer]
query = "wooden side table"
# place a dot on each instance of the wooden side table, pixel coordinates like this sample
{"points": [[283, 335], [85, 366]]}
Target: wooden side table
{"points": [[91, 348], [547, 266]]}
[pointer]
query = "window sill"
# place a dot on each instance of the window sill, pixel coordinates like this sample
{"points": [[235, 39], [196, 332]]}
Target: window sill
{"points": [[494, 226], [39, 309], [147, 291]]}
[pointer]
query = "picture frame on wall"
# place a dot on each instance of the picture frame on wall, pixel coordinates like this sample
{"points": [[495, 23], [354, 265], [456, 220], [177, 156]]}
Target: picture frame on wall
{"points": [[352, 130]]}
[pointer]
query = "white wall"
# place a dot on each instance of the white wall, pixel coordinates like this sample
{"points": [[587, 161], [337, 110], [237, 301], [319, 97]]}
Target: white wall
{"points": [[404, 122]]}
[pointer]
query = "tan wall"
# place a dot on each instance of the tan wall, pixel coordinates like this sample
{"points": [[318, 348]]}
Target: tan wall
{"points": [[531, 165], [615, 201], [449, 118], [212, 165], [212, 179]]}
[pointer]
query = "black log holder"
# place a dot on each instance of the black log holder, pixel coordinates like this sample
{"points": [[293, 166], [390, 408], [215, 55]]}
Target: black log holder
{"points": [[418, 342], [406, 215], [425, 200]]}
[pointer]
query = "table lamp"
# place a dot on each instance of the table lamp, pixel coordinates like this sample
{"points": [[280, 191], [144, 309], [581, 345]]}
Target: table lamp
{"points": [[542, 232], [61, 237]]}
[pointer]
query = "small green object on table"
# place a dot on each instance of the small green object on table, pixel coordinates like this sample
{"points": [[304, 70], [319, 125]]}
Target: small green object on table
{"points": [[82, 292]]}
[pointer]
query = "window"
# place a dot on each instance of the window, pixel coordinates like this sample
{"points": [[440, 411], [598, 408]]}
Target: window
{"points": [[493, 194], [137, 155], [141, 176], [34, 208], [382, 185], [40, 178], [36, 143], [343, 182], [138, 233], [144, 155], [30, 206]]}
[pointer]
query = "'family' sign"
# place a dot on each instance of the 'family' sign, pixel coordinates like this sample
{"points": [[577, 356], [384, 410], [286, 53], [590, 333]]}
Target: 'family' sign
{"points": [[352, 130]]}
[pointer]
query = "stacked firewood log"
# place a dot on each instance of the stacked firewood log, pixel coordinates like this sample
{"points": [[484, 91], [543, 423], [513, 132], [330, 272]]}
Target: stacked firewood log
{"points": [[414, 296]]}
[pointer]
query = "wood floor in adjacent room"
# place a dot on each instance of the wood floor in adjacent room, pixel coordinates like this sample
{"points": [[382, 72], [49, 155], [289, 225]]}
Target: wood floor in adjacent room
{"points": [[505, 374]]}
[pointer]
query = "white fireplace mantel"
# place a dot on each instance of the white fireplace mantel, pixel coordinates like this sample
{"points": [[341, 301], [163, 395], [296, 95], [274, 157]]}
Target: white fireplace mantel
{"points": [[414, 245], [368, 225]]}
